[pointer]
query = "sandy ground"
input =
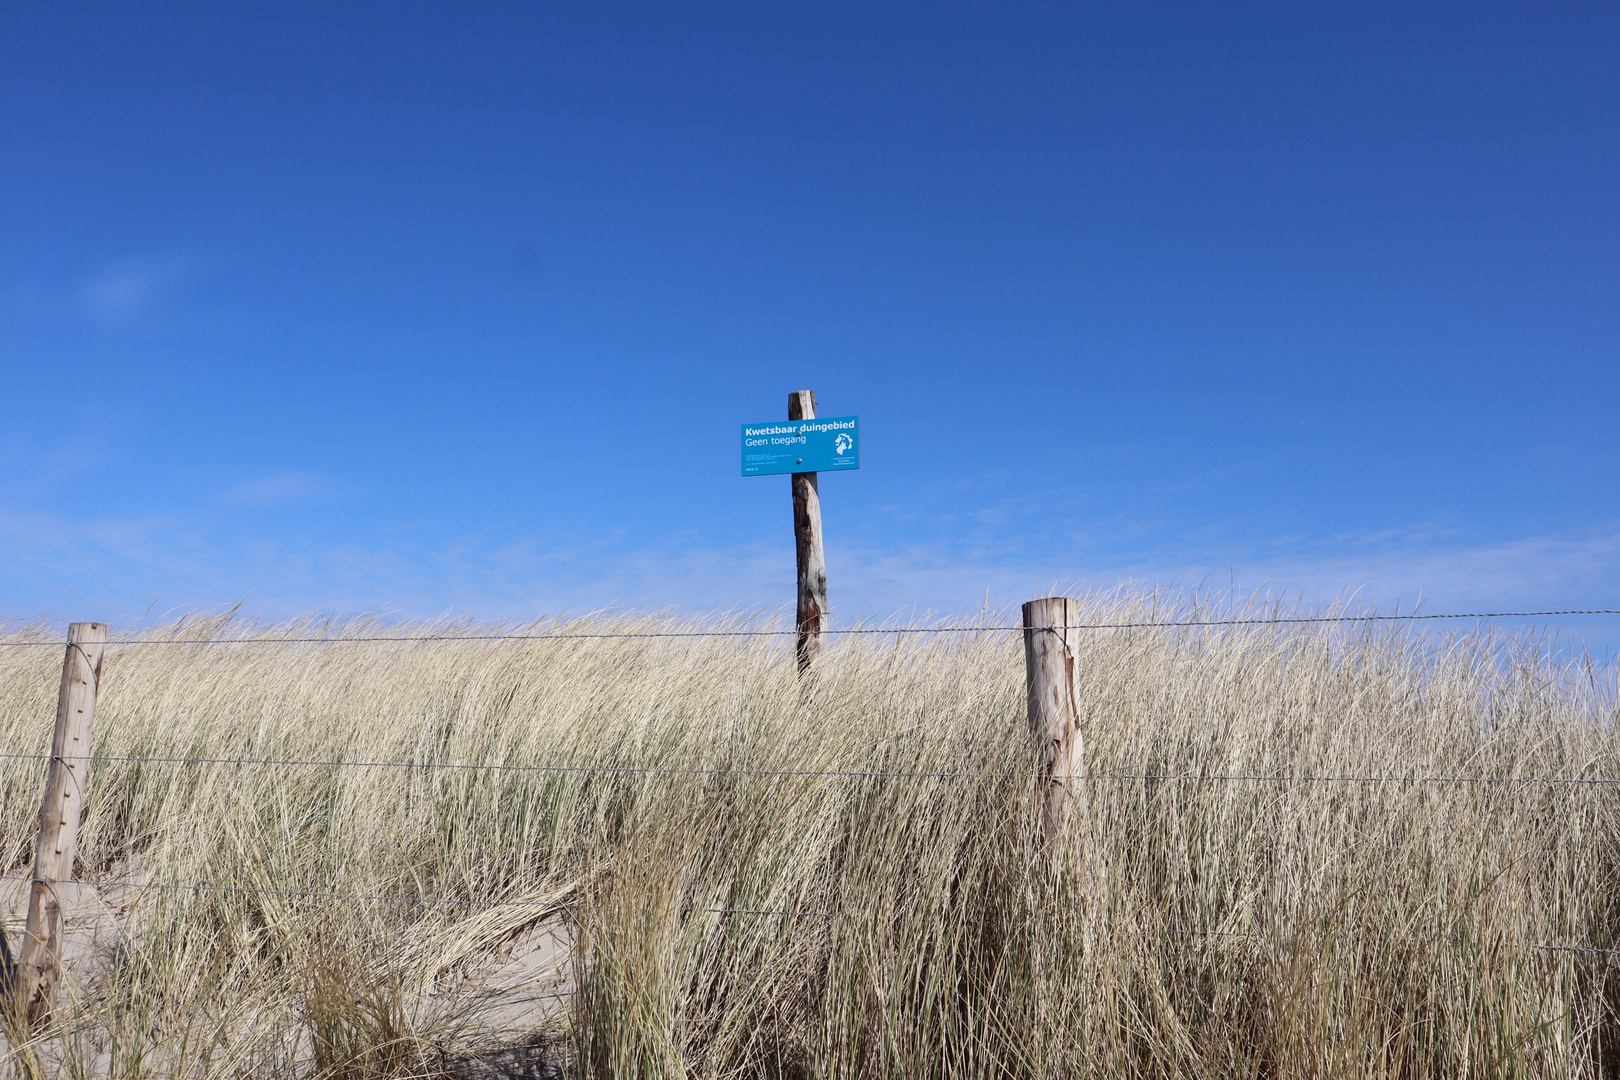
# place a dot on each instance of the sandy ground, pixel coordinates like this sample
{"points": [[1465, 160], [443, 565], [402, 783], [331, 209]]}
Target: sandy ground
{"points": [[514, 994]]}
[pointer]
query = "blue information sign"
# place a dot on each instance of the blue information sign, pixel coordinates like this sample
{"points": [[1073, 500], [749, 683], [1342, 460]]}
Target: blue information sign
{"points": [[790, 446]]}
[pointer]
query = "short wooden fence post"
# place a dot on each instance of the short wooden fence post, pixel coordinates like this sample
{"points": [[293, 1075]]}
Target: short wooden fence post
{"points": [[59, 815], [1053, 685], [810, 615]]}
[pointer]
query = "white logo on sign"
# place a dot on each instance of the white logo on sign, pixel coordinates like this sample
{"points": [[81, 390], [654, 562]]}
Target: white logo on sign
{"points": [[842, 444]]}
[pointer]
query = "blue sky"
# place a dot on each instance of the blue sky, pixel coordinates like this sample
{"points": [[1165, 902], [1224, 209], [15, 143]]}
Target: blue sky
{"points": [[424, 308]]}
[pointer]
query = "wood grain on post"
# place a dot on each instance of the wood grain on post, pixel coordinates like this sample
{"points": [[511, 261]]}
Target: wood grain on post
{"points": [[65, 787], [1054, 710], [811, 615]]}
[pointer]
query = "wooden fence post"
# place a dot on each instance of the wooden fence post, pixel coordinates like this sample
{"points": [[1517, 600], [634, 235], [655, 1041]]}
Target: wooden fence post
{"points": [[65, 787], [1054, 711], [810, 618]]}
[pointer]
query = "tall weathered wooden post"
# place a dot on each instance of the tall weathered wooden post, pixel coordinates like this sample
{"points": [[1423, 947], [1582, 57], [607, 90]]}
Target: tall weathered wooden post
{"points": [[59, 815], [1052, 682], [811, 615], [803, 447]]}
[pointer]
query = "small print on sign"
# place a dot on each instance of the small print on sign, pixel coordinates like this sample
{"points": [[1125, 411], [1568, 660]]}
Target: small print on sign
{"points": [[827, 444]]}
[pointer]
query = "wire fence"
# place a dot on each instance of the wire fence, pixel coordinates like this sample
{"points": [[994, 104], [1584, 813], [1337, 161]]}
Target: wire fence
{"points": [[318, 894], [840, 773], [1027, 774], [574, 635], [561, 906], [915, 775]]}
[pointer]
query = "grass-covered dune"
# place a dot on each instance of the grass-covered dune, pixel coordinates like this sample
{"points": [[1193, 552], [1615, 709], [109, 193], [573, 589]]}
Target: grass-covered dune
{"points": [[841, 876]]}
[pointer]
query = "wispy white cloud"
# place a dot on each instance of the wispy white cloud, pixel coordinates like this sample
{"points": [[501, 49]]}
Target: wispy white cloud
{"points": [[1578, 569], [114, 568]]}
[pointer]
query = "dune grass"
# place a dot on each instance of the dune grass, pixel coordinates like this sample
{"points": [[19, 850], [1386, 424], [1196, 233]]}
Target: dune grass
{"points": [[841, 877]]}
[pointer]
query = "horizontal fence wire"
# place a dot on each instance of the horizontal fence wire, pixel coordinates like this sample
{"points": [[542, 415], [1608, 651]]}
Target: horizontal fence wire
{"points": [[873, 630], [552, 905], [305, 893], [482, 767], [1280, 778]]}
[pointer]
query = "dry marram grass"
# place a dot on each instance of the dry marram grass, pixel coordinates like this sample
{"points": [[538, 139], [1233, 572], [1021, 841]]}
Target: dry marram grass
{"points": [[839, 877]]}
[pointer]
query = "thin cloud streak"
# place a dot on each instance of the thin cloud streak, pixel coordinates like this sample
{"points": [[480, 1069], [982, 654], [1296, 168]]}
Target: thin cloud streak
{"points": [[119, 566]]}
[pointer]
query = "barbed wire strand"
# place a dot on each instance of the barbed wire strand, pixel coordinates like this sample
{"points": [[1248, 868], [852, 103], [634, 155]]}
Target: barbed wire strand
{"points": [[1404, 938], [481, 767], [1283, 778], [593, 635], [293, 892], [318, 894], [571, 906]]}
